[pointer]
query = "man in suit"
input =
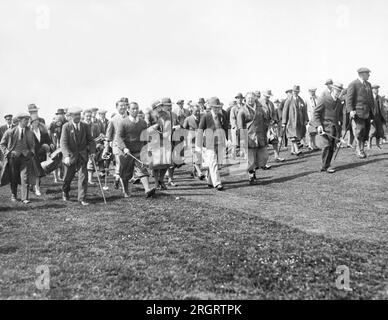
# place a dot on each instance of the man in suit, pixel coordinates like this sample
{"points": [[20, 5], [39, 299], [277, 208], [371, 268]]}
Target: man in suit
{"points": [[103, 121], [111, 136], [254, 120], [33, 111], [8, 125], [213, 124], [311, 105], [18, 147], [328, 84], [379, 118], [327, 117], [273, 138], [77, 146], [191, 123], [295, 119], [181, 112], [235, 133], [359, 101]]}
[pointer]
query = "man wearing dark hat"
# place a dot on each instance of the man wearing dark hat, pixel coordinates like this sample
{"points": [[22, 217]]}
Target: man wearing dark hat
{"points": [[328, 84], [8, 125], [311, 129], [77, 147], [181, 112], [273, 138], [18, 147], [328, 118], [102, 121], [213, 124], [283, 134], [235, 133], [201, 102], [379, 118], [295, 119], [360, 102], [33, 111], [111, 136], [254, 120]]}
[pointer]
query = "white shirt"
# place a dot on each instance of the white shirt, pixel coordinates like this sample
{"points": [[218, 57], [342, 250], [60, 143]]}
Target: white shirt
{"points": [[76, 126], [20, 132], [37, 134], [135, 120], [332, 95]]}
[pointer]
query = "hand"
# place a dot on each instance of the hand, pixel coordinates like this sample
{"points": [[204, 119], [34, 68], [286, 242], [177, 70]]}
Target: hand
{"points": [[320, 130], [126, 151], [66, 161], [283, 125], [352, 114], [92, 156]]}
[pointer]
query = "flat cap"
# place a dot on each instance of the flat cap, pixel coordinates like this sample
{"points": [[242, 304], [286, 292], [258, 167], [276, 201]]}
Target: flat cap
{"points": [[201, 100], [375, 86], [7, 116], [296, 89], [102, 111], [60, 111], [74, 110], [155, 104], [363, 70], [22, 115], [338, 86], [267, 93], [329, 82], [166, 102], [32, 107], [180, 101]]}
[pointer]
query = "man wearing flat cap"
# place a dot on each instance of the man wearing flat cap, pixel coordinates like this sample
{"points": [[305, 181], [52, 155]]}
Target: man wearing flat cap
{"points": [[327, 117], [295, 119], [328, 84], [102, 121], [214, 126], [18, 147], [235, 134], [379, 118], [8, 125], [360, 102], [77, 147], [33, 111], [181, 112]]}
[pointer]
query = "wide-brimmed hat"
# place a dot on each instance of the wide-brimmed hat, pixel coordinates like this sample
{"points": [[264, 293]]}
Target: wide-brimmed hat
{"points": [[32, 107], [267, 93], [214, 102], [338, 86], [239, 96], [329, 82], [155, 104], [102, 111], [201, 100], [166, 102], [363, 70], [180, 101], [313, 89], [22, 115], [288, 90], [375, 86], [277, 101], [296, 89], [8, 115], [60, 111], [74, 111]]}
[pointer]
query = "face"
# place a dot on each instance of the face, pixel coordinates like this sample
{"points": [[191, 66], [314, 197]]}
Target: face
{"points": [[250, 99], [277, 105], [8, 120], [102, 116], [76, 117], [121, 108], [312, 93], [197, 112], [240, 100], [289, 94], [180, 105], [336, 93], [216, 109], [88, 116], [167, 108], [23, 122], [364, 76], [375, 91], [35, 124], [133, 109], [295, 93]]}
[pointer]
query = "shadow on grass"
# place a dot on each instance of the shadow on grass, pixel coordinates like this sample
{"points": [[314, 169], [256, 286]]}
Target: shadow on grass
{"points": [[357, 164], [21, 207]]}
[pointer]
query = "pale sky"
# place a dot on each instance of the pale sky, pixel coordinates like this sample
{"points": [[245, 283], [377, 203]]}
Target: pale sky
{"points": [[84, 53]]}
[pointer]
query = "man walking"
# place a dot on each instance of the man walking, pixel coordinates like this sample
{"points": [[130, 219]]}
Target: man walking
{"points": [[77, 146], [379, 118], [8, 125], [360, 103]]}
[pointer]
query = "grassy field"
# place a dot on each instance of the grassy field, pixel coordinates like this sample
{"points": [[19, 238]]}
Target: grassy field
{"points": [[282, 238]]}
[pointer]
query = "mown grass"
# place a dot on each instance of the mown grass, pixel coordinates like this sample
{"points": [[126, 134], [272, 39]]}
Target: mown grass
{"points": [[194, 247]]}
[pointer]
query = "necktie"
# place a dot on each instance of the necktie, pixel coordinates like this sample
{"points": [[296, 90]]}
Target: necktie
{"points": [[22, 135]]}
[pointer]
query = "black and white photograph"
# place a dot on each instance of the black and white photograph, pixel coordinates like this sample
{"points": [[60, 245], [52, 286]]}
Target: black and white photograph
{"points": [[171, 151]]}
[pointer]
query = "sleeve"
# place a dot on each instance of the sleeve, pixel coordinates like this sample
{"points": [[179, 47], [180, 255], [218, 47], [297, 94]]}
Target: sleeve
{"points": [[350, 97], [120, 137], [90, 140], [110, 131], [285, 112], [64, 143], [4, 142], [317, 120], [241, 120]]}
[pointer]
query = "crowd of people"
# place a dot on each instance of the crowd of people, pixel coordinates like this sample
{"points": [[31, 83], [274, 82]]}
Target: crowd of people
{"points": [[140, 144]]}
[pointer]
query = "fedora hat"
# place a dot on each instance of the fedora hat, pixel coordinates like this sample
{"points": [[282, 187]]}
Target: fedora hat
{"points": [[180, 101], [8, 116], [60, 111], [166, 102], [201, 100], [239, 96], [338, 86], [296, 89], [74, 111], [214, 102], [155, 104], [267, 93], [288, 90], [22, 115], [329, 82], [32, 107], [375, 86]]}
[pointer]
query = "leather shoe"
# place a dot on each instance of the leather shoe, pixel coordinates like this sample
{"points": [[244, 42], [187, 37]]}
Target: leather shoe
{"points": [[26, 201], [330, 170], [220, 187], [65, 196], [13, 198], [150, 193], [84, 203]]}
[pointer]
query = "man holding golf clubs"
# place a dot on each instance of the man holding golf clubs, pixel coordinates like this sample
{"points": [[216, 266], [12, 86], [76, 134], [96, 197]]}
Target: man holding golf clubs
{"points": [[328, 116]]}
